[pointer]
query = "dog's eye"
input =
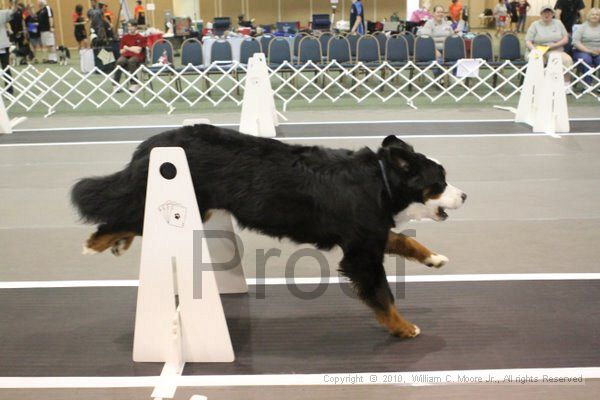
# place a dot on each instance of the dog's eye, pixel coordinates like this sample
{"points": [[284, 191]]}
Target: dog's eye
{"points": [[434, 191]]}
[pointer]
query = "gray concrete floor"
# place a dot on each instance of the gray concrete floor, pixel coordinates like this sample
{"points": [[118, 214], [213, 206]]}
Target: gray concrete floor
{"points": [[431, 112], [532, 208]]}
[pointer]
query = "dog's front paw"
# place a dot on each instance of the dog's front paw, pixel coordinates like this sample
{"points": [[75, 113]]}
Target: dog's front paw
{"points": [[436, 261], [407, 331]]}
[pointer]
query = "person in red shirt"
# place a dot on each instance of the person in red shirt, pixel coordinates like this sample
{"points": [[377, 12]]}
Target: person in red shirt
{"points": [[79, 25], [132, 54], [455, 10]]}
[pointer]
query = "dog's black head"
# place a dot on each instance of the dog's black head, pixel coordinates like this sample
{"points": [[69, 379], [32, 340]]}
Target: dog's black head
{"points": [[64, 51], [418, 184]]}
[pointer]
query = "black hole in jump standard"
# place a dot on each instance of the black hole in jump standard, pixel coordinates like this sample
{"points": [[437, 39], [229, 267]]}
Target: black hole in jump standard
{"points": [[168, 171]]}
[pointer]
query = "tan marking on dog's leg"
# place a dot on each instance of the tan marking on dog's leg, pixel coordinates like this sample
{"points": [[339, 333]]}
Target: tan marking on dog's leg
{"points": [[396, 324], [97, 243], [207, 215], [408, 247]]}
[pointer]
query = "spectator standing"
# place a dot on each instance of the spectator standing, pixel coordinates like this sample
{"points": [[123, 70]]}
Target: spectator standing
{"points": [[17, 24], [132, 54], [107, 19], [94, 14], [569, 11], [79, 27], [93, 6], [357, 17], [501, 14], [139, 13], [46, 26], [524, 7], [108, 14], [552, 35], [514, 15], [455, 10], [19, 35], [5, 17], [33, 30], [586, 40]]}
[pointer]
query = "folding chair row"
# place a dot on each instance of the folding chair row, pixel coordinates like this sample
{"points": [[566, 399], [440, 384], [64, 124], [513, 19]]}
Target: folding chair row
{"points": [[192, 52], [346, 50], [481, 47]]}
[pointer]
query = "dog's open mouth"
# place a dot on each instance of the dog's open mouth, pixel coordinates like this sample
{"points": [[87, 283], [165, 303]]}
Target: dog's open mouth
{"points": [[441, 213]]}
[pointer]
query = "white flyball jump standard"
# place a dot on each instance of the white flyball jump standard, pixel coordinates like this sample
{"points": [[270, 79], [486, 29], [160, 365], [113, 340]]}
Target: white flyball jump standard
{"points": [[534, 80], [259, 116], [6, 124], [543, 101], [552, 114], [190, 327]]}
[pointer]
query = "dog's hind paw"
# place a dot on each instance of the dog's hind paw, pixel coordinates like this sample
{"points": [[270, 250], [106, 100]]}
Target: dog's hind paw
{"points": [[88, 251], [436, 261], [120, 246]]}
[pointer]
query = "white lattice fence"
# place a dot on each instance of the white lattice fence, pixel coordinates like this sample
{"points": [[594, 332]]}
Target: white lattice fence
{"points": [[220, 83]]}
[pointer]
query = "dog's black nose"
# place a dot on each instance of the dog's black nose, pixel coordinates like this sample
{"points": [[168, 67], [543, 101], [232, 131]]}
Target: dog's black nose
{"points": [[463, 197]]}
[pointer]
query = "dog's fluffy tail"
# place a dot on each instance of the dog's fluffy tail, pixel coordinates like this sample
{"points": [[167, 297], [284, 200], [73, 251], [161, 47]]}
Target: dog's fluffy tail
{"points": [[106, 198]]}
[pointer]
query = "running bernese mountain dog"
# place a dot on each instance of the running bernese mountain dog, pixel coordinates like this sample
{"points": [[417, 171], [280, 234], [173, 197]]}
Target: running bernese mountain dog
{"points": [[309, 194]]}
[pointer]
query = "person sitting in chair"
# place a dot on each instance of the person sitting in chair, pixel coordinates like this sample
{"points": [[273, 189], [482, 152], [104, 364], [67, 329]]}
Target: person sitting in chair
{"points": [[132, 54]]}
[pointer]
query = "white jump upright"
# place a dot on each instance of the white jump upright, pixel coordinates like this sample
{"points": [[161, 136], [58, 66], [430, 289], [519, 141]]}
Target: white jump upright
{"points": [[532, 85], [543, 101], [552, 115], [259, 116], [191, 327], [6, 124]]}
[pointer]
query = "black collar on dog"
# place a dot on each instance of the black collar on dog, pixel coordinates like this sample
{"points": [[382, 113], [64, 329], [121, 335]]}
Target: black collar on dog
{"points": [[385, 179]]}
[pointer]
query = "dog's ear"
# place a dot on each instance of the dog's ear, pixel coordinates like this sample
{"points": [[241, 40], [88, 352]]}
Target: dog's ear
{"points": [[397, 157], [392, 140]]}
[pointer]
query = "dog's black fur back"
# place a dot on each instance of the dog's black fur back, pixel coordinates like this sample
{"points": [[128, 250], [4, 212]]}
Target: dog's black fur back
{"points": [[310, 194]]}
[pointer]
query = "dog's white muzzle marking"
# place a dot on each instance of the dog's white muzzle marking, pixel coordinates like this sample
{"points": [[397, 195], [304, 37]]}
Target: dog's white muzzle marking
{"points": [[452, 199]]}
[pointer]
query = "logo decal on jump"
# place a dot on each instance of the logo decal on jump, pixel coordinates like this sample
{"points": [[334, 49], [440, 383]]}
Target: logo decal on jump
{"points": [[173, 213]]}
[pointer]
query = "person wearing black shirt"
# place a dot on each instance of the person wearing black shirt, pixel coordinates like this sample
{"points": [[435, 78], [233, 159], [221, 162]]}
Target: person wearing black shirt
{"points": [[5, 17], [243, 23], [569, 11], [357, 17], [79, 27], [17, 26], [96, 18], [19, 34], [514, 14]]}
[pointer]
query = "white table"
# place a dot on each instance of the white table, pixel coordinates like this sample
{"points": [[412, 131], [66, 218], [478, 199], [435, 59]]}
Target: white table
{"points": [[236, 45]]}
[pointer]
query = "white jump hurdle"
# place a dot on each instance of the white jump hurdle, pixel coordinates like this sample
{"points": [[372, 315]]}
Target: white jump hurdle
{"points": [[259, 115], [173, 324], [552, 113], [543, 101], [6, 124], [179, 316]]}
